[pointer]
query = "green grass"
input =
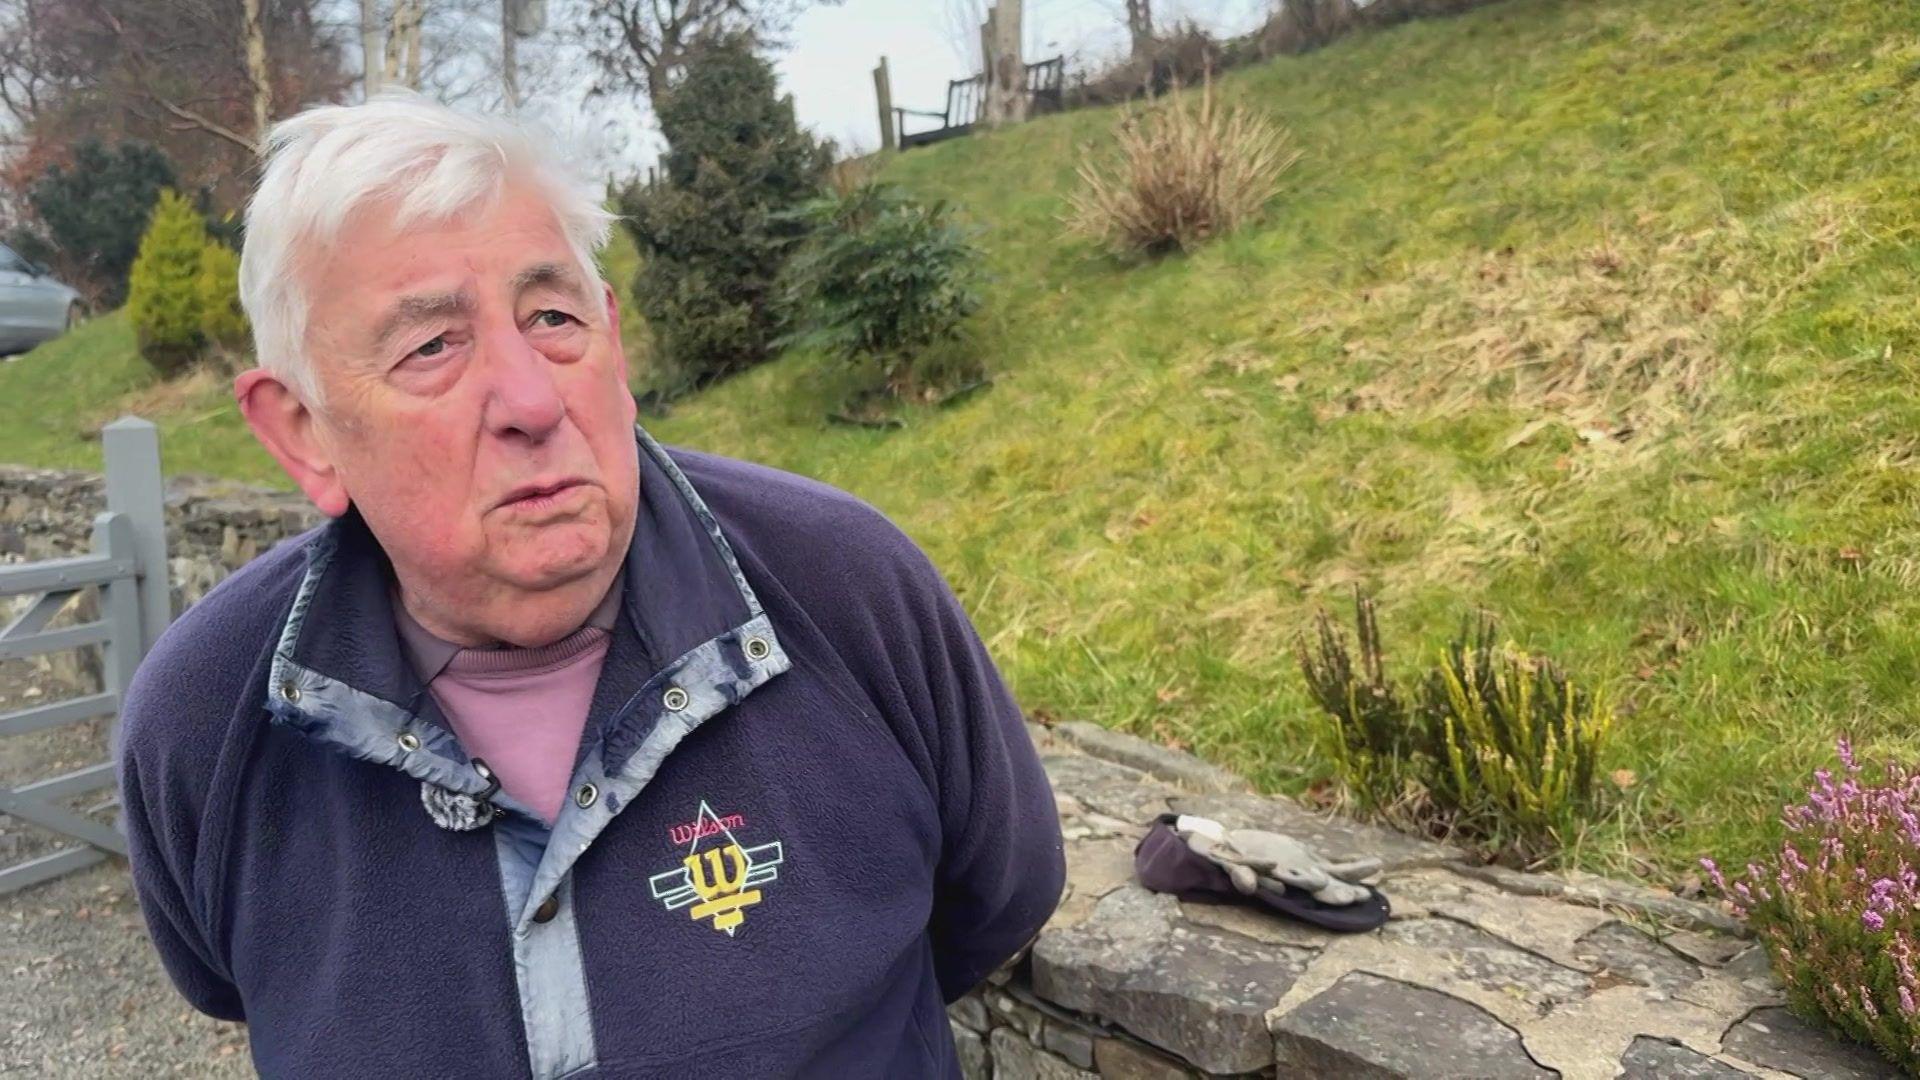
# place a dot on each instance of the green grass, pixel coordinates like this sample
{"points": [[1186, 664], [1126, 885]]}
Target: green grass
{"points": [[1179, 461]]}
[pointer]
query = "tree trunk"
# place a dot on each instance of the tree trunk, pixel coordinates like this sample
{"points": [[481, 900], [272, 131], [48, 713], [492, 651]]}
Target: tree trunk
{"points": [[372, 62], [262, 83], [1140, 27], [403, 44], [509, 49], [416, 16], [1006, 70]]}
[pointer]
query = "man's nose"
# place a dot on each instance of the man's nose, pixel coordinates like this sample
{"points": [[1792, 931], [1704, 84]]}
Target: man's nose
{"points": [[524, 400]]}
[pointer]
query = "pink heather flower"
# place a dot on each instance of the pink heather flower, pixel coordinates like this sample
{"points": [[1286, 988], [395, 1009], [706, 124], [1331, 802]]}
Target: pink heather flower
{"points": [[1713, 871], [1866, 1005], [1873, 921], [1906, 1001], [1845, 746]]}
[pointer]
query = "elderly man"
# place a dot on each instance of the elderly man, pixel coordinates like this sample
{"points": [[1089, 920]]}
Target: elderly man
{"points": [[556, 752]]}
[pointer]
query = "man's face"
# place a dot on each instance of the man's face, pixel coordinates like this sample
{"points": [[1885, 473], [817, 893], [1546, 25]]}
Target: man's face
{"points": [[475, 401]]}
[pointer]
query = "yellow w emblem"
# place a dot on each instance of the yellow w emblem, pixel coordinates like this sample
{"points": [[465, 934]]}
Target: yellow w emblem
{"points": [[722, 878], [721, 893]]}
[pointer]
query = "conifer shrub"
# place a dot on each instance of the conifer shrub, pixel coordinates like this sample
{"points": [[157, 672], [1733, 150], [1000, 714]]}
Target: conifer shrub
{"points": [[884, 280], [163, 289], [712, 230], [223, 325]]}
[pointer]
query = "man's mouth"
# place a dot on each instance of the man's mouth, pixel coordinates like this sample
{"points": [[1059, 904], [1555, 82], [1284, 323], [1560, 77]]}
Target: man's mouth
{"points": [[541, 494]]}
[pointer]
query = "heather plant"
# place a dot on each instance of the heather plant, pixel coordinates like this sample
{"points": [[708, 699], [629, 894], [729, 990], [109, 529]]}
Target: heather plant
{"points": [[1371, 730], [1518, 742], [1495, 747], [1839, 906]]}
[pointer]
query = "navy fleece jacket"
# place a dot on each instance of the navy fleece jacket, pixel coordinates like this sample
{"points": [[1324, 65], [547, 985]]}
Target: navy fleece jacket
{"points": [[806, 813]]}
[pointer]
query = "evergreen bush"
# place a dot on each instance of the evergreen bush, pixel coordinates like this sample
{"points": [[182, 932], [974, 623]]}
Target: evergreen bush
{"points": [[712, 230], [883, 279], [163, 290], [91, 214], [223, 325]]}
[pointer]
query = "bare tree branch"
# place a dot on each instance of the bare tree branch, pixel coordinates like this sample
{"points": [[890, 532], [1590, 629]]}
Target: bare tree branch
{"points": [[195, 120]]}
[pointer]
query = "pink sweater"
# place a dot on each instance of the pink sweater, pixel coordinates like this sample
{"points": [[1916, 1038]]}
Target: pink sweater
{"points": [[522, 710]]}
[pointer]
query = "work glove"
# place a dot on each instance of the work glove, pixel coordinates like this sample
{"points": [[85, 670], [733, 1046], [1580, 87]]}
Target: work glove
{"points": [[1252, 857]]}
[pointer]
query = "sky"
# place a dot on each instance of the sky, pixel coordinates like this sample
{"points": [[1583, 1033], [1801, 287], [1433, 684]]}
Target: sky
{"points": [[828, 66]]}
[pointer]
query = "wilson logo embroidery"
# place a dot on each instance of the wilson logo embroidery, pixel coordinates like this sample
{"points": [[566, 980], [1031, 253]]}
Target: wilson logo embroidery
{"points": [[719, 878]]}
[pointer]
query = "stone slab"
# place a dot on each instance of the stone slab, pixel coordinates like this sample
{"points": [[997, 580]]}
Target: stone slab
{"points": [[1333, 837], [1094, 869], [1161, 762], [972, 1047], [1014, 1058], [1632, 953], [1107, 788], [1484, 960], [1777, 1039], [1540, 925], [1593, 891], [1124, 1059], [969, 1012], [1657, 1059], [1199, 992], [1365, 1027]]}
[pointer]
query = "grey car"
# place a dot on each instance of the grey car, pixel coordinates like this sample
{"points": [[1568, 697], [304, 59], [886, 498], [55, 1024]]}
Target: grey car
{"points": [[33, 306]]}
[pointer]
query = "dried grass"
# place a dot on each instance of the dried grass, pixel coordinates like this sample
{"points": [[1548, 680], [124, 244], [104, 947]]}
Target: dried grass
{"points": [[1183, 174], [1622, 338]]}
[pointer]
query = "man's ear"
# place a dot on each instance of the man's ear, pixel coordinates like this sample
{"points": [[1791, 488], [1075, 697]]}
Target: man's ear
{"points": [[613, 330], [288, 429]]}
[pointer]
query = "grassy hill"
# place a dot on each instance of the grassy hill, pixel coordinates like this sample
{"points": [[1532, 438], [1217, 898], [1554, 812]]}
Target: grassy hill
{"points": [[1596, 314]]}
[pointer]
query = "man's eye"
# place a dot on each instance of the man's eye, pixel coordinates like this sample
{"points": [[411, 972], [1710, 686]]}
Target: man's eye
{"points": [[550, 317], [432, 348]]}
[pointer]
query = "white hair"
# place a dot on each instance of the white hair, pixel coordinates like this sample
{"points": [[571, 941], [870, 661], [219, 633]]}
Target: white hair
{"points": [[432, 161]]}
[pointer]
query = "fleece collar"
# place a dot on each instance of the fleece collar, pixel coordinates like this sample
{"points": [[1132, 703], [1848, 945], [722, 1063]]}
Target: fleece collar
{"points": [[690, 623]]}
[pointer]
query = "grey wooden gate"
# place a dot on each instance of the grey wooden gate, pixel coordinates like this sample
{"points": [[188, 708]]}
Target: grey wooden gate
{"points": [[128, 565]]}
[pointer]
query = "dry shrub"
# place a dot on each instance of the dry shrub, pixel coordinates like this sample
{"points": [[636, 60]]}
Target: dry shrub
{"points": [[1184, 174]]}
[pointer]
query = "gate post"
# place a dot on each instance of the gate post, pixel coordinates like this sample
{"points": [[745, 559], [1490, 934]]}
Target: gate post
{"points": [[135, 488]]}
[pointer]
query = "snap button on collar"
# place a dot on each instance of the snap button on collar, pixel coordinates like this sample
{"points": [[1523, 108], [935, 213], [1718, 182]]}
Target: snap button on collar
{"points": [[408, 741], [290, 691], [674, 699], [586, 796], [757, 648], [548, 908]]}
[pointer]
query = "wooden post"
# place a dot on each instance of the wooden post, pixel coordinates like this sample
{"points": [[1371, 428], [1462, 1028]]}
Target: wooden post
{"points": [[136, 491], [883, 91]]}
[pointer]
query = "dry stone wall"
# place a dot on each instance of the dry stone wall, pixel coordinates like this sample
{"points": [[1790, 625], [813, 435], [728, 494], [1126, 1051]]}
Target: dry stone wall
{"points": [[213, 527], [1481, 972]]}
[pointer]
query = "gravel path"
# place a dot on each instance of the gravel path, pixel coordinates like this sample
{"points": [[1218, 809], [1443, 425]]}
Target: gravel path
{"points": [[81, 989], [84, 995]]}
